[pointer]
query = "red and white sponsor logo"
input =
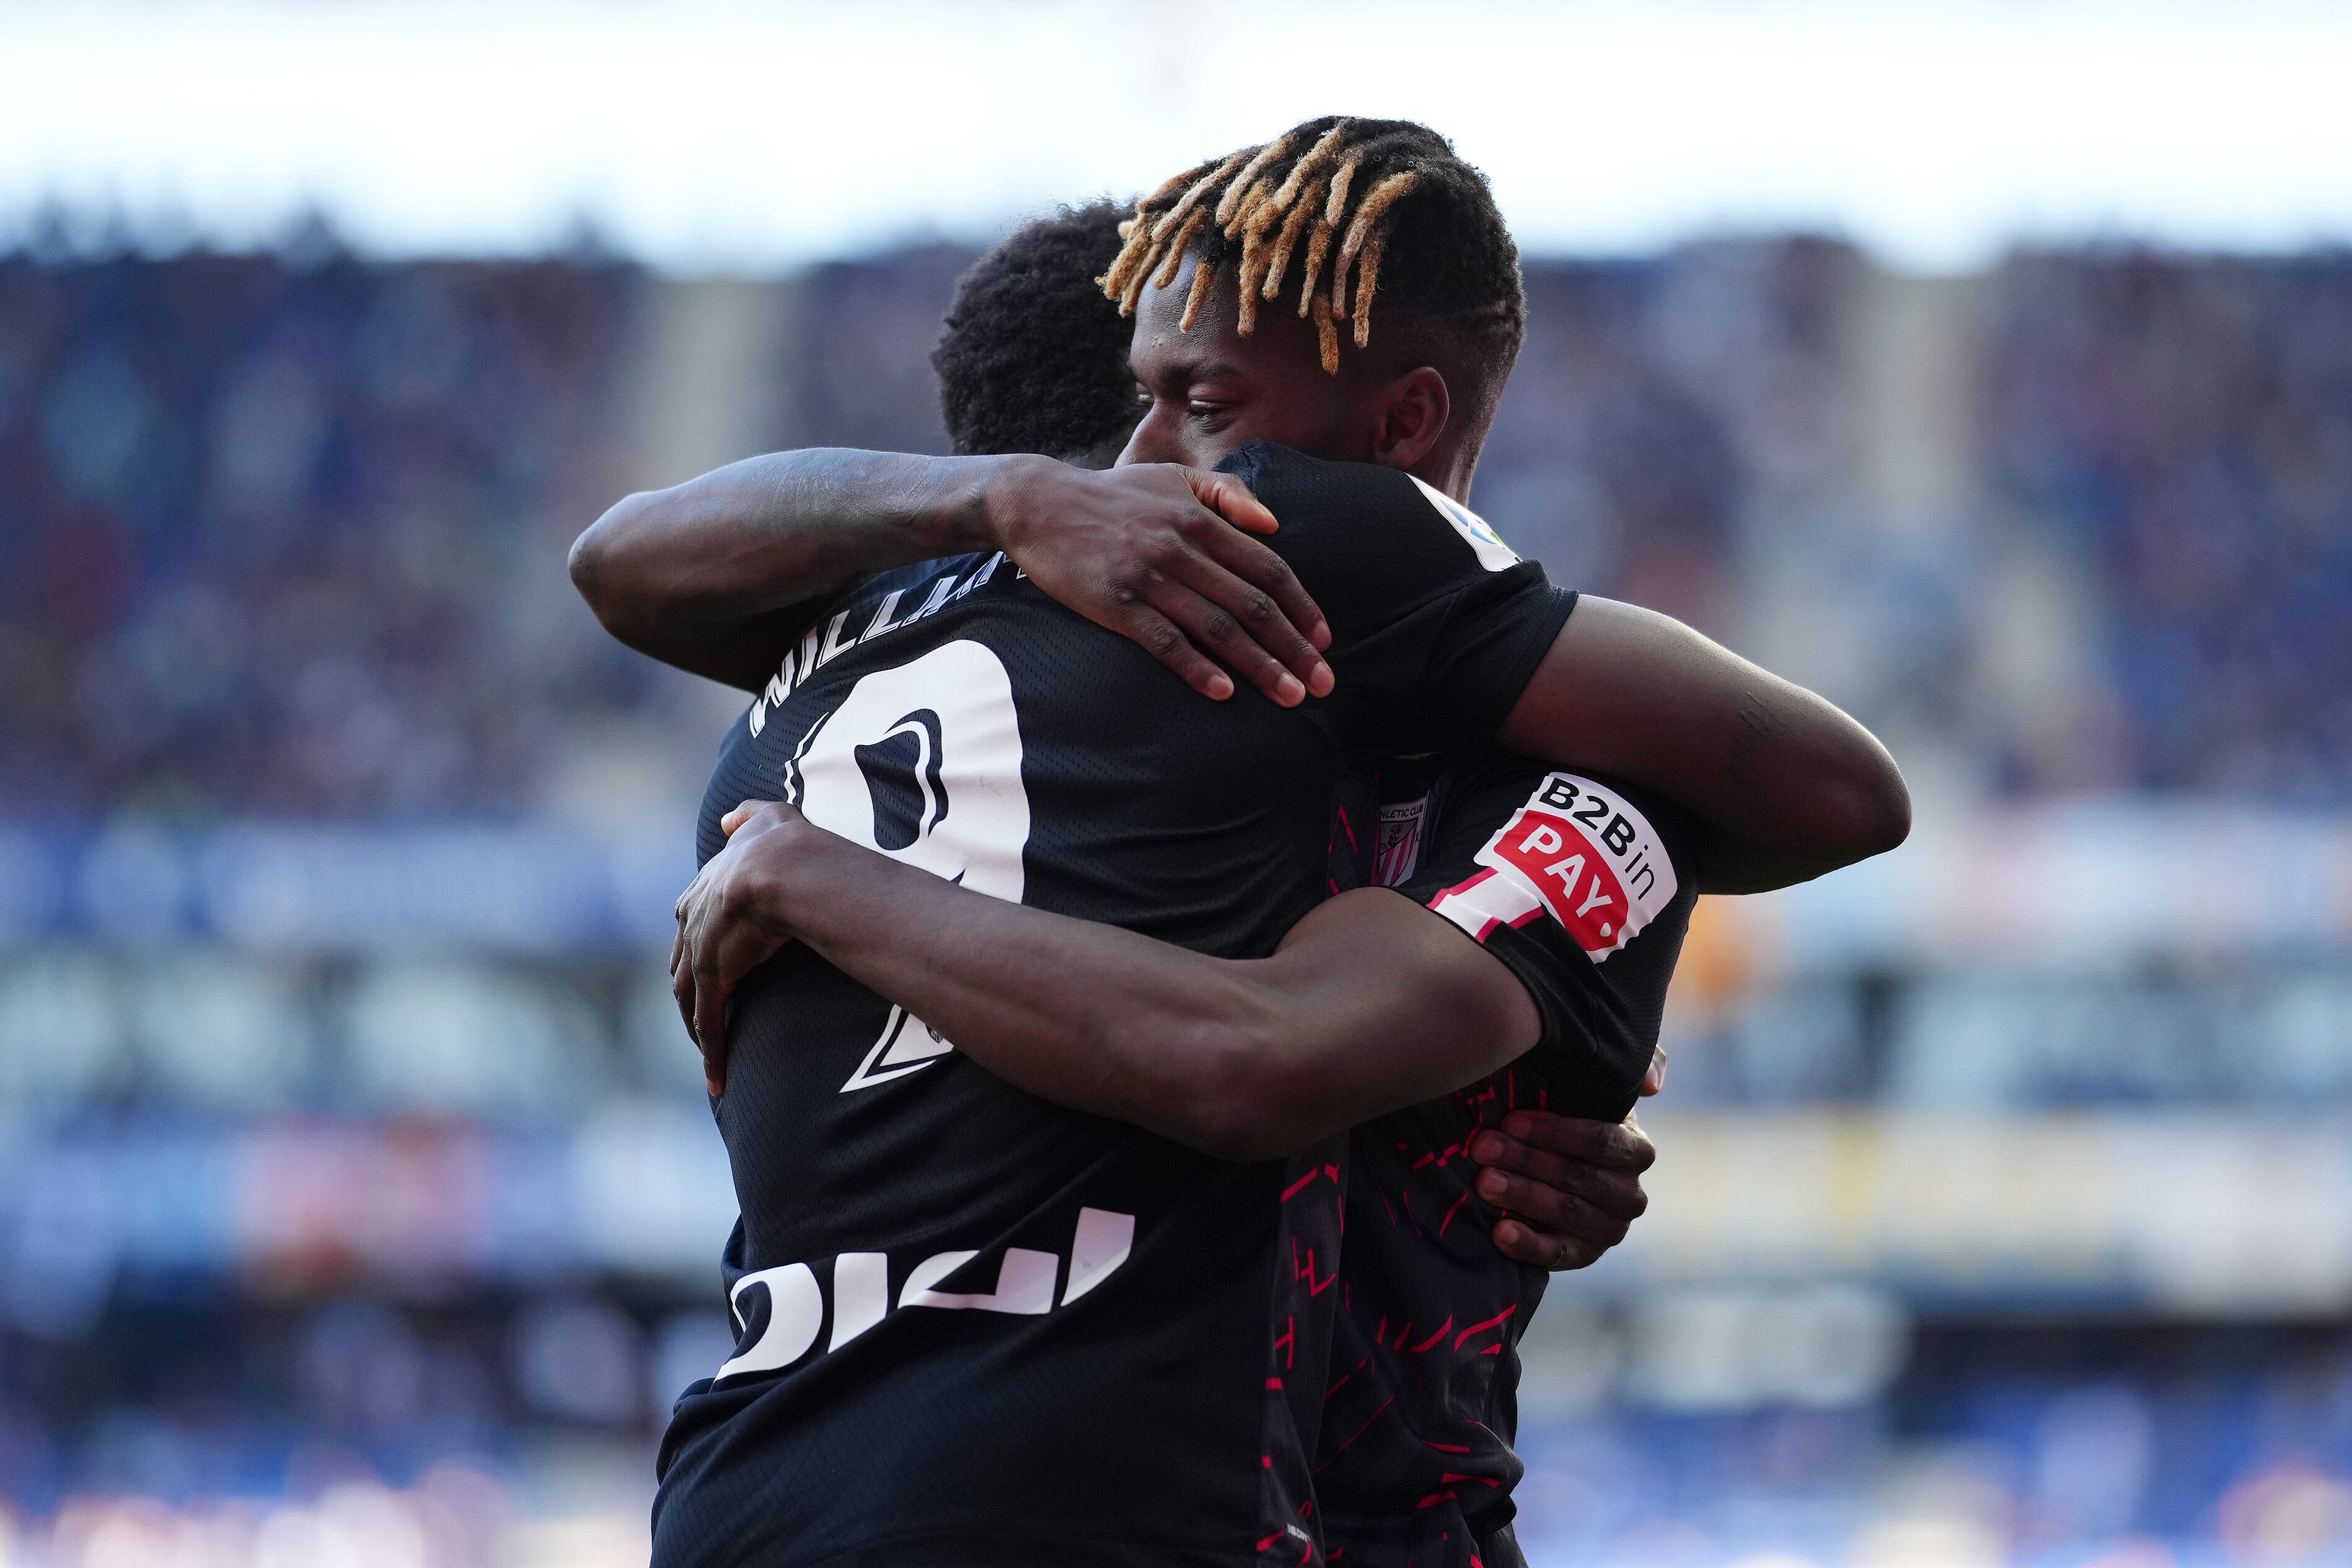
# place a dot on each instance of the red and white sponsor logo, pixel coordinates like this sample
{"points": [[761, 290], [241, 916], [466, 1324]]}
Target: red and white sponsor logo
{"points": [[1578, 852]]}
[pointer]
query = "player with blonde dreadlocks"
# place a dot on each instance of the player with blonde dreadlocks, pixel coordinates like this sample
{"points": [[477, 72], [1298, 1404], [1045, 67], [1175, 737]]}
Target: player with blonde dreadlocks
{"points": [[1339, 186], [1378, 226], [1375, 225]]}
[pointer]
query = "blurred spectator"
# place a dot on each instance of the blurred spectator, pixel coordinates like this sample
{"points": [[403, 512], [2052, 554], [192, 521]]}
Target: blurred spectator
{"points": [[2182, 430], [287, 538]]}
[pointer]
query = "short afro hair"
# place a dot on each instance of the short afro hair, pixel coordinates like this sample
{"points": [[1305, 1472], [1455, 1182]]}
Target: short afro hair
{"points": [[1034, 358]]}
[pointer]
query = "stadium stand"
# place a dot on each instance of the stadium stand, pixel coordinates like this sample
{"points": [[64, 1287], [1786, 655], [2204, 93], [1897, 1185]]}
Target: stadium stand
{"points": [[353, 1180]]}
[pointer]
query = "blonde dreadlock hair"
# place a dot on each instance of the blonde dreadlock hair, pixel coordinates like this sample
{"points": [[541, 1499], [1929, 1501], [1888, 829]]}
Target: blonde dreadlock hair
{"points": [[1384, 203]]}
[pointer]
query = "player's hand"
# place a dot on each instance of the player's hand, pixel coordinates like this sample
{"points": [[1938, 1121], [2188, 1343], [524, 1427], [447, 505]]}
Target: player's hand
{"points": [[1569, 1189], [730, 922], [1161, 554]]}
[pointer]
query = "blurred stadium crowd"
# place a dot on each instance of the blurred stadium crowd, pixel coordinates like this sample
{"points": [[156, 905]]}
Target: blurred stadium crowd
{"points": [[356, 1199], [279, 531]]}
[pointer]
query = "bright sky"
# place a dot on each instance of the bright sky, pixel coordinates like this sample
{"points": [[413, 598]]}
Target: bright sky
{"points": [[720, 134]]}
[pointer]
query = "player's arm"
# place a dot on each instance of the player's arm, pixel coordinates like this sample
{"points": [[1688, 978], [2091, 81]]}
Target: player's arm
{"points": [[1784, 787], [1445, 641], [1369, 1004], [719, 575]]}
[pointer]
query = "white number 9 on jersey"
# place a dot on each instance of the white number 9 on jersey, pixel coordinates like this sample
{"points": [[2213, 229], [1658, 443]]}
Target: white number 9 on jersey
{"points": [[922, 763]]}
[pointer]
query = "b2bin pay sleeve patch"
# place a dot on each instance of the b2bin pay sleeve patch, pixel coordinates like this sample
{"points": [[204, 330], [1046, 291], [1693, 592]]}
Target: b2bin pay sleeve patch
{"points": [[1578, 852]]}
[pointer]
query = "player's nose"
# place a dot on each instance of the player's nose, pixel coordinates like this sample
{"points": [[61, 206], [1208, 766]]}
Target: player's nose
{"points": [[1153, 442]]}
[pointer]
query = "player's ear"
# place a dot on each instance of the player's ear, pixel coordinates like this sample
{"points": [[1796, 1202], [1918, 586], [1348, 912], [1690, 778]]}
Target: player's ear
{"points": [[1411, 415]]}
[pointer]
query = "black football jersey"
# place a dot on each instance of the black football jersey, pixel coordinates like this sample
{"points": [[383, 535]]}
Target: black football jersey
{"points": [[1581, 888], [973, 1327]]}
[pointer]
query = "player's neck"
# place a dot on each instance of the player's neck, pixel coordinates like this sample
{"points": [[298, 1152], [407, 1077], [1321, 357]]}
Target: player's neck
{"points": [[1448, 470]]}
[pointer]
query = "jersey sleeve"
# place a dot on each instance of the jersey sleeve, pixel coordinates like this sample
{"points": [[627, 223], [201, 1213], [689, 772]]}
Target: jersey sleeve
{"points": [[1581, 888], [1436, 626]]}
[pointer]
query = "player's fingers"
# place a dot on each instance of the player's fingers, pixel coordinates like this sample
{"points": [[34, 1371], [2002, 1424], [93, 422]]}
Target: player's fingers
{"points": [[684, 910], [1211, 629], [1537, 1249], [1655, 1080], [714, 1059], [1249, 559], [688, 985], [1499, 1149], [1616, 1192], [681, 990], [709, 1015], [742, 947], [1225, 495], [714, 1062], [1617, 1145], [1507, 1154], [1610, 1188], [1161, 637], [1554, 1212], [1258, 589]]}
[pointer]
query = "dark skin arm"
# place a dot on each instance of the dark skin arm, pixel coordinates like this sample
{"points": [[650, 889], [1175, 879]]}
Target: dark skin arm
{"points": [[1786, 786], [719, 575], [1783, 784], [1368, 1005], [716, 576]]}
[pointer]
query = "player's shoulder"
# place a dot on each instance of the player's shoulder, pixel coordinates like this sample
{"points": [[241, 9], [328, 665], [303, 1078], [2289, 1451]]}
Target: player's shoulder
{"points": [[914, 579], [1330, 509], [852, 608]]}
